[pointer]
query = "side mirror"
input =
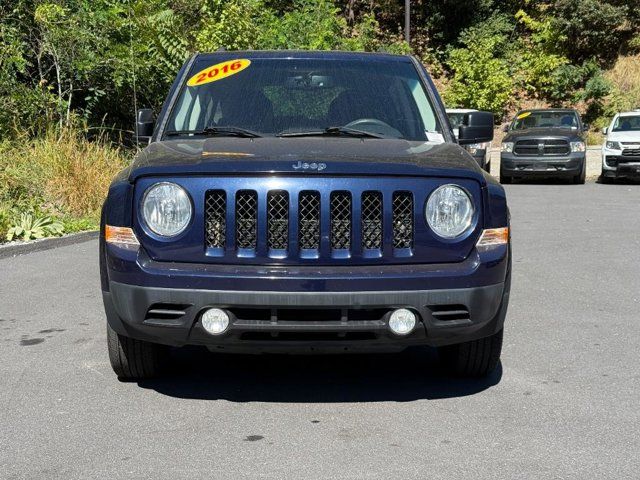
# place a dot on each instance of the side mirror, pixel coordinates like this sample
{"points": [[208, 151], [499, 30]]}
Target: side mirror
{"points": [[144, 125], [477, 127], [505, 128], [585, 127], [605, 130]]}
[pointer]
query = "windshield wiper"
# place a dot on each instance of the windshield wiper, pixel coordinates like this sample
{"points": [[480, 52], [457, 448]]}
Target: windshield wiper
{"points": [[217, 131], [330, 131]]}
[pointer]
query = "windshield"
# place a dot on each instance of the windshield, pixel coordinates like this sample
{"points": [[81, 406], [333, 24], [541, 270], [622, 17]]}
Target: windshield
{"points": [[545, 119], [280, 96], [626, 124]]}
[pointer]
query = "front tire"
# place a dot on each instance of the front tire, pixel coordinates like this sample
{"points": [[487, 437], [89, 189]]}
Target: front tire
{"points": [[133, 359], [581, 178], [505, 179], [605, 180], [476, 358]]}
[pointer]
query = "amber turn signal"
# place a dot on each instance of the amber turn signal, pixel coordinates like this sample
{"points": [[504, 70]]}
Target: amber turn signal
{"points": [[122, 236], [493, 236]]}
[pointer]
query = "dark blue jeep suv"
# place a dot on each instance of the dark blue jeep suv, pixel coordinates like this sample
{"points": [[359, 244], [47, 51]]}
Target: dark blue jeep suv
{"points": [[305, 202]]}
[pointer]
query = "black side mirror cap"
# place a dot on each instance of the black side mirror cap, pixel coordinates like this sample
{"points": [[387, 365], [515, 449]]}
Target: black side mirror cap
{"points": [[477, 127], [145, 122], [505, 128], [585, 127]]}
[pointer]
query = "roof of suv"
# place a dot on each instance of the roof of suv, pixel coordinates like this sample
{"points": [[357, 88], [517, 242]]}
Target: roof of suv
{"points": [[632, 113], [307, 54]]}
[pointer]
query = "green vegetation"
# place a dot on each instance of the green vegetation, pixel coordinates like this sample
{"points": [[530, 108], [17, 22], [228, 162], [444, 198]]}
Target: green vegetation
{"points": [[54, 184], [68, 70]]}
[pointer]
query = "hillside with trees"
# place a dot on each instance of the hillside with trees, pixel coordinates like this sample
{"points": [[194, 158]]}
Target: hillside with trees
{"points": [[71, 71]]}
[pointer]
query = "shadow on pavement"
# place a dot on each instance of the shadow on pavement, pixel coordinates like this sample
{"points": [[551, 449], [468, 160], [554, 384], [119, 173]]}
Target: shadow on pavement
{"points": [[412, 375]]}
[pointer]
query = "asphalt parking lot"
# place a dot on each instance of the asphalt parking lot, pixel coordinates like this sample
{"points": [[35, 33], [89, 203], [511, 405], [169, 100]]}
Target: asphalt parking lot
{"points": [[563, 404]]}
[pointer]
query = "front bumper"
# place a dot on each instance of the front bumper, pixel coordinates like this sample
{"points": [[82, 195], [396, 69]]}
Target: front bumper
{"points": [[543, 166], [306, 309], [615, 165]]}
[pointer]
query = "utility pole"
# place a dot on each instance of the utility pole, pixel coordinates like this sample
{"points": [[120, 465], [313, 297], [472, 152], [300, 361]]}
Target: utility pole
{"points": [[407, 20]]}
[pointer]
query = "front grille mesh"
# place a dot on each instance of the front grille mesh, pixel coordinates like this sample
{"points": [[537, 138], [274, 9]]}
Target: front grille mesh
{"points": [[309, 220], [216, 218], [402, 220], [278, 220], [246, 219], [371, 220], [341, 220]]}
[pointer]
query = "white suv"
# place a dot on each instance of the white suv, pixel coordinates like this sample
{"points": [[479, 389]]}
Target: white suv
{"points": [[621, 149]]}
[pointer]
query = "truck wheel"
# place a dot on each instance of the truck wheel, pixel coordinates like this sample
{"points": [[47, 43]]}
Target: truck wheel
{"points": [[134, 359], [605, 180], [582, 176], [477, 358]]}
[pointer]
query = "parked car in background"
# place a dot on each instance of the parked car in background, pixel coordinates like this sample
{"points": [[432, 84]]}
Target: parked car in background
{"points": [[621, 148], [480, 151], [305, 202], [544, 143]]}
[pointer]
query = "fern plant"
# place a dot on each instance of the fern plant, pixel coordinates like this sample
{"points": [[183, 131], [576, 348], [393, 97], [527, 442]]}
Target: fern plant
{"points": [[31, 227]]}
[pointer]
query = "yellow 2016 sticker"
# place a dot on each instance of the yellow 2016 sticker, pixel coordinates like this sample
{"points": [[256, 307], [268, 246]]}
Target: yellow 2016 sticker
{"points": [[523, 115], [218, 72]]}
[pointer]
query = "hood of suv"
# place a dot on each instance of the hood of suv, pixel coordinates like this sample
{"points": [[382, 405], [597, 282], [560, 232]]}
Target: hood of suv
{"points": [[309, 155], [631, 137]]}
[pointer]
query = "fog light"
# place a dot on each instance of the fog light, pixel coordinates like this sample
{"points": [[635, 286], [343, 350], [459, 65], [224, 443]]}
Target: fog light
{"points": [[215, 321], [402, 321]]}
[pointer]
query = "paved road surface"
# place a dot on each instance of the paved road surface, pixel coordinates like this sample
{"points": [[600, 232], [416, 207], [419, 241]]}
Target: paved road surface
{"points": [[564, 404]]}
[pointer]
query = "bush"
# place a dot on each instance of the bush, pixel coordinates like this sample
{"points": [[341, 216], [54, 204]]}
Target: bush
{"points": [[62, 175], [481, 77]]}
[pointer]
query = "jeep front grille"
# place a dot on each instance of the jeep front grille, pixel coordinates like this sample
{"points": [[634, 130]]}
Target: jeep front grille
{"points": [[294, 223], [341, 220], [402, 220], [246, 219], [216, 221], [278, 220], [371, 220], [309, 220]]}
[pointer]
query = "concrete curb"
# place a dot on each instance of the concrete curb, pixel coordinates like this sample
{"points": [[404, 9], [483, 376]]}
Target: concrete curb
{"points": [[15, 249]]}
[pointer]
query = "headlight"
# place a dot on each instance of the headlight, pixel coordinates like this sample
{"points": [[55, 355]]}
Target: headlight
{"points": [[166, 209], [507, 147], [449, 211], [474, 147], [614, 145], [578, 146]]}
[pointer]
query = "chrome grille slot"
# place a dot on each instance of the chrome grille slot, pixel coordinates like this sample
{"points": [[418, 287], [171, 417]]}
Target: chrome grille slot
{"points": [[309, 220], [278, 220], [246, 219], [402, 220], [341, 220], [371, 211], [215, 218]]}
